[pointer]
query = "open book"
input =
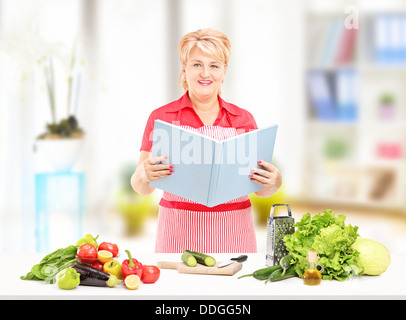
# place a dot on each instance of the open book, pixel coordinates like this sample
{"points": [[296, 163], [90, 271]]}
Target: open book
{"points": [[210, 171]]}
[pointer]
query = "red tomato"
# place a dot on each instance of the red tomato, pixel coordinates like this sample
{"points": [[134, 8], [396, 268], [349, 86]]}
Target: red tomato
{"points": [[98, 265], [113, 248], [87, 253], [150, 274]]}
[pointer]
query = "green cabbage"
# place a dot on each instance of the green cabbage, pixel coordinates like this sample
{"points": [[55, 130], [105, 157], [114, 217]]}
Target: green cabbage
{"points": [[374, 257], [332, 239]]}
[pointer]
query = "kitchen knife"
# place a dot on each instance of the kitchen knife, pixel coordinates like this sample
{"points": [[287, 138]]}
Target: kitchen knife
{"points": [[232, 260]]}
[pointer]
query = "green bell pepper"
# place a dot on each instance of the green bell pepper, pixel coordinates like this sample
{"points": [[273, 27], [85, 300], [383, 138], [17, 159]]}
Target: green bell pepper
{"points": [[68, 279], [88, 239]]}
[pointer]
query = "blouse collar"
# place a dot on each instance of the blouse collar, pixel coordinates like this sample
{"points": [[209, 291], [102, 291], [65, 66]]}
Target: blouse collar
{"points": [[184, 102]]}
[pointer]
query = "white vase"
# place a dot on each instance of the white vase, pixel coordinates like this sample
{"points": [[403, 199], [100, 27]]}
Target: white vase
{"points": [[62, 154]]}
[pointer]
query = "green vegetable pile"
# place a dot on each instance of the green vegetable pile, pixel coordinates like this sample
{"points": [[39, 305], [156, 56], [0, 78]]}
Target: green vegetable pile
{"points": [[51, 264], [332, 239], [56, 261]]}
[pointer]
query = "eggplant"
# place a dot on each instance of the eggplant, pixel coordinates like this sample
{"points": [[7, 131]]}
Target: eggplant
{"points": [[90, 276]]}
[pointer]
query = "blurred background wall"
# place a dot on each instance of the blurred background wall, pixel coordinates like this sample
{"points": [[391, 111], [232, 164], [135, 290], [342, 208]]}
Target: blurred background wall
{"points": [[330, 73]]}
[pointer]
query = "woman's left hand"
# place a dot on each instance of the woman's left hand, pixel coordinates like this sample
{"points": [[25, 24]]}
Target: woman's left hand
{"points": [[270, 179]]}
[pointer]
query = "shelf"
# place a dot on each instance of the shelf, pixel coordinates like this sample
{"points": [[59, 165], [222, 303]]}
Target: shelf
{"points": [[381, 68], [339, 201], [372, 7], [332, 125], [322, 7], [369, 186], [365, 7], [386, 126], [370, 169]]}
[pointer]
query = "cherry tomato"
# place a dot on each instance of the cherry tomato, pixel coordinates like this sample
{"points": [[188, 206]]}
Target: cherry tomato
{"points": [[150, 274], [87, 253], [113, 248]]}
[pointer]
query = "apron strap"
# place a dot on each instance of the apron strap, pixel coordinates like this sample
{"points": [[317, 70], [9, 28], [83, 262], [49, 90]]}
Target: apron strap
{"points": [[180, 205]]}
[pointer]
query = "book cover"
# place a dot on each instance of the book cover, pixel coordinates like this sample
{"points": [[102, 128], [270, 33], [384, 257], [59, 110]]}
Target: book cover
{"points": [[346, 47], [210, 171], [346, 94], [402, 53], [331, 46], [383, 40], [321, 95]]}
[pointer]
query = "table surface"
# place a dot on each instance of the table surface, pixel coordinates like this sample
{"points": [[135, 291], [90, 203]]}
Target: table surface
{"points": [[173, 285]]}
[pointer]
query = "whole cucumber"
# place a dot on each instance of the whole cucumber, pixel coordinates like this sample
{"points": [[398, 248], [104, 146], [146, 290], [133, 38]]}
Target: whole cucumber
{"points": [[262, 274], [281, 275]]}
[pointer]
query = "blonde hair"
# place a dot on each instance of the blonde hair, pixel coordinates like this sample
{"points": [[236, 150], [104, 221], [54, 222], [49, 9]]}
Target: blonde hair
{"points": [[210, 41]]}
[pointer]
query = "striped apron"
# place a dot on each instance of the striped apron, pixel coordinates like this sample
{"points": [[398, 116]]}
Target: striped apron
{"points": [[185, 224]]}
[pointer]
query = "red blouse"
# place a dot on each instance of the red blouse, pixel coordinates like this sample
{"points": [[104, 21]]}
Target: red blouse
{"points": [[181, 112]]}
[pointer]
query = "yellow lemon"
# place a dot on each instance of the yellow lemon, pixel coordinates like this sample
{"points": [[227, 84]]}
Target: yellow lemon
{"points": [[132, 281], [104, 256]]}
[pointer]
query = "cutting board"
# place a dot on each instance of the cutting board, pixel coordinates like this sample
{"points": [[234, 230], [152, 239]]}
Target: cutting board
{"points": [[201, 269]]}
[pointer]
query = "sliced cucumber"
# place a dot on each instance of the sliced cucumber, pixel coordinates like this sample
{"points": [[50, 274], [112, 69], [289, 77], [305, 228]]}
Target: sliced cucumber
{"points": [[189, 259], [202, 258]]}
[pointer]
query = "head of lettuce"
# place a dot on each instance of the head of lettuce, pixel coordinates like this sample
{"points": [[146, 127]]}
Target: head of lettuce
{"points": [[374, 257], [332, 239]]}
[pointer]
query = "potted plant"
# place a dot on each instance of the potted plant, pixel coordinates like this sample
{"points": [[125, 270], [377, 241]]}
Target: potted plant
{"points": [[62, 140], [387, 106]]}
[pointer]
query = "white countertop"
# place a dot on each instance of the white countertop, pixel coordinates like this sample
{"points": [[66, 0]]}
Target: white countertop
{"points": [[173, 285]]}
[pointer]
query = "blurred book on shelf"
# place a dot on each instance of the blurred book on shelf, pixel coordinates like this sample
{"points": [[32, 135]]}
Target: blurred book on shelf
{"points": [[381, 184], [333, 44], [346, 47], [389, 150], [389, 39], [333, 94], [346, 94], [321, 95]]}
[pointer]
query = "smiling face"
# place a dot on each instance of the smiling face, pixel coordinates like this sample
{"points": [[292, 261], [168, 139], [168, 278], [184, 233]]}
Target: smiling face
{"points": [[203, 74]]}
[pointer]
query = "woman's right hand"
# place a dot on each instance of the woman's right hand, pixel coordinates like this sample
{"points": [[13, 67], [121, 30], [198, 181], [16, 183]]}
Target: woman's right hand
{"points": [[155, 171], [147, 171]]}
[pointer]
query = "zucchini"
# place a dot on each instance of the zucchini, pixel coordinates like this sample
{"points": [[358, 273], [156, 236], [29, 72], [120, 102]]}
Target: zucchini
{"points": [[262, 274], [189, 259], [202, 258], [281, 275], [285, 263]]}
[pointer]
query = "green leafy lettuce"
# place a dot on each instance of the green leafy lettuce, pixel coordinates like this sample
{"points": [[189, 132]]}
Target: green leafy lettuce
{"points": [[331, 238]]}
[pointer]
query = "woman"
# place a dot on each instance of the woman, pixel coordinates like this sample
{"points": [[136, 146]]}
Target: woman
{"points": [[182, 223]]}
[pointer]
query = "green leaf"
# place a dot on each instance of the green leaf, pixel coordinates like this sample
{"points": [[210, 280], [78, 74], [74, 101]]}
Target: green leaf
{"points": [[36, 270], [51, 263], [331, 238], [30, 276]]}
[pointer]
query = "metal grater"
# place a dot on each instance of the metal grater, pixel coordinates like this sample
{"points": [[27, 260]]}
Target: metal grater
{"points": [[277, 228]]}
